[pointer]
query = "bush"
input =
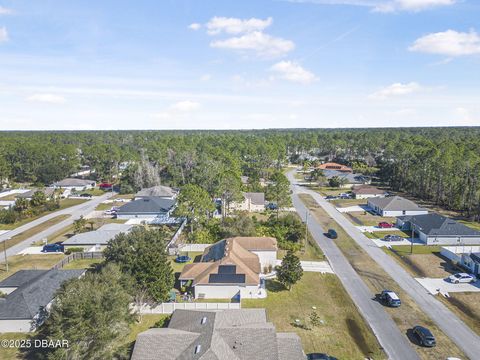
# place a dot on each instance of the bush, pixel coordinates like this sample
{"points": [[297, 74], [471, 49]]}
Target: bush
{"points": [[74, 250]]}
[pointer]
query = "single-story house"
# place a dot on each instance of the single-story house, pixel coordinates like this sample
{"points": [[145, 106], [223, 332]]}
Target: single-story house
{"points": [[74, 184], [466, 256], [395, 206], [161, 191], [246, 181], [252, 202], [367, 191], [435, 229], [349, 179], [231, 268], [152, 207], [29, 295], [234, 334], [48, 191], [97, 240], [335, 166]]}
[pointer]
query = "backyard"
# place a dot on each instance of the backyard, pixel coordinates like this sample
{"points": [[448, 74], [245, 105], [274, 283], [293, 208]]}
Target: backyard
{"points": [[25, 262]]}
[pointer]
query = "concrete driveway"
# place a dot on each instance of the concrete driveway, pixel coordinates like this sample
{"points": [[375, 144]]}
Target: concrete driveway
{"points": [[404, 241], [35, 250], [314, 266], [354, 208], [442, 286]]}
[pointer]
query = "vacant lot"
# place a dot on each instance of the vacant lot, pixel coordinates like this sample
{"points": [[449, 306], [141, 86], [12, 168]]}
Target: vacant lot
{"points": [[409, 314], [364, 218], [466, 306], [342, 203], [25, 262], [344, 333], [34, 230]]}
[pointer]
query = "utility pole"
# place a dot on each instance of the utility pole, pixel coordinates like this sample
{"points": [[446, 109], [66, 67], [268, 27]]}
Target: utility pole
{"points": [[5, 253]]}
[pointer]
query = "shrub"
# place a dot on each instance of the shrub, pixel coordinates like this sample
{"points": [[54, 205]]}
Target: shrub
{"points": [[74, 250]]}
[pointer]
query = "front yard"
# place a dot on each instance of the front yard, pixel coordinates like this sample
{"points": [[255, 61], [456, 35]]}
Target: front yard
{"points": [[364, 218], [25, 262]]}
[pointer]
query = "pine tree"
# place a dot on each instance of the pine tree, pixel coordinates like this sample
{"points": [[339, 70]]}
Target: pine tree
{"points": [[290, 271]]}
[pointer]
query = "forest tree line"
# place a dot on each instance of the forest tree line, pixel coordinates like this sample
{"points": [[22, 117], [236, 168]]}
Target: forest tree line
{"points": [[441, 165]]}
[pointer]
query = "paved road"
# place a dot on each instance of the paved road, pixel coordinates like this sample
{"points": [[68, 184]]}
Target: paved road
{"points": [[75, 212], [394, 343], [448, 322]]}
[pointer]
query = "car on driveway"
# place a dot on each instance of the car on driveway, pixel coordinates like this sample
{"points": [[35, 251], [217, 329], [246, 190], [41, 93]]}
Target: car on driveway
{"points": [[332, 234], [462, 278], [320, 356], [52, 248], [424, 336], [390, 298], [330, 197], [385, 225], [85, 195], [392, 238]]}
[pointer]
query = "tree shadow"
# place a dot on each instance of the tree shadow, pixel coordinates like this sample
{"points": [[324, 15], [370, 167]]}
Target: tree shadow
{"points": [[274, 286]]}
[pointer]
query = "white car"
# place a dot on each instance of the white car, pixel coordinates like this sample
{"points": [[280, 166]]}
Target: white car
{"points": [[462, 278]]}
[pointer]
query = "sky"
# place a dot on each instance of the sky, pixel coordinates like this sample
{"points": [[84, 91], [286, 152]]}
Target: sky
{"points": [[229, 64]]}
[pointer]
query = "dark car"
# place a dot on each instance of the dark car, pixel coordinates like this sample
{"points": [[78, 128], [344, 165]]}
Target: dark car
{"points": [[332, 234], [53, 248], [272, 206], [320, 356], [86, 195], [330, 197], [392, 238], [389, 298], [424, 336], [183, 259]]}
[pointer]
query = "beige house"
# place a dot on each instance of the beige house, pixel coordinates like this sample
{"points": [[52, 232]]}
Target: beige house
{"points": [[231, 268], [252, 202]]}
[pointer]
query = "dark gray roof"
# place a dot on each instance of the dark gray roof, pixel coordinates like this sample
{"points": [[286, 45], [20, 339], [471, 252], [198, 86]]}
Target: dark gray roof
{"points": [[160, 191], [73, 182], [27, 195], [395, 203], [256, 198], [21, 277], [435, 224], [147, 205], [242, 334], [475, 257], [34, 292], [101, 236]]}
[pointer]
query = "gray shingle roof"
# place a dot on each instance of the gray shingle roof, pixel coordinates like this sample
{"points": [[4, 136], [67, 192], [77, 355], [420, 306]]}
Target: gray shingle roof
{"points": [[34, 292], [395, 203], [147, 205], [47, 191], [242, 334], [73, 182], [256, 198], [101, 236], [160, 191], [435, 224]]}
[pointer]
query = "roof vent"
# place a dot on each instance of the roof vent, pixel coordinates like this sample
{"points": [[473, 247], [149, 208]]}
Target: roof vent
{"points": [[197, 349], [204, 320]]}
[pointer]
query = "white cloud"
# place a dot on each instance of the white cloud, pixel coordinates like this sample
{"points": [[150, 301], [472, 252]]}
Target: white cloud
{"points": [[5, 11], [385, 6], [262, 44], [194, 26], [3, 34], [205, 77], [47, 98], [450, 43], [396, 89], [218, 25], [185, 106], [292, 71]]}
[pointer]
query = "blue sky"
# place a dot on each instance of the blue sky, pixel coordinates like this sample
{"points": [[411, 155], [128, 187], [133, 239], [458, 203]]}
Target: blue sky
{"points": [[238, 64]]}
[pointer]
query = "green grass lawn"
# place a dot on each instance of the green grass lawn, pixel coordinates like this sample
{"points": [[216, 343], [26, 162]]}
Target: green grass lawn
{"points": [[82, 264], [348, 202], [35, 230], [178, 267], [93, 192], [403, 250], [25, 262], [382, 234], [344, 333], [13, 353]]}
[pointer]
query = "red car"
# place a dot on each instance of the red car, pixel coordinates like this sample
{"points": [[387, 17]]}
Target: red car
{"points": [[385, 225], [104, 186]]}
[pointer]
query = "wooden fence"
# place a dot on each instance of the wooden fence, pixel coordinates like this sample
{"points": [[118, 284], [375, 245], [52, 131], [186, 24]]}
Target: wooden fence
{"points": [[78, 256]]}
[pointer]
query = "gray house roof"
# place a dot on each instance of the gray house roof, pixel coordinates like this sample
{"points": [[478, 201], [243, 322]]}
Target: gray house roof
{"points": [[36, 289], [101, 236], [395, 203], [435, 224], [256, 198], [27, 195], [73, 182], [160, 191], [147, 205], [242, 334]]}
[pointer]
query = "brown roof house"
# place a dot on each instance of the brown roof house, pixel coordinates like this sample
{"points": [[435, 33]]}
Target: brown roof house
{"points": [[367, 191], [335, 166], [252, 202], [231, 268], [240, 334]]}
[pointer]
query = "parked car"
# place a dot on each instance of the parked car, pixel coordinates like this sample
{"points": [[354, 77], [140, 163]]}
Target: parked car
{"points": [[320, 356], [385, 225], [390, 298], [392, 238], [272, 206], [52, 248], [85, 195], [424, 336], [461, 278], [330, 197], [183, 259], [332, 234]]}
